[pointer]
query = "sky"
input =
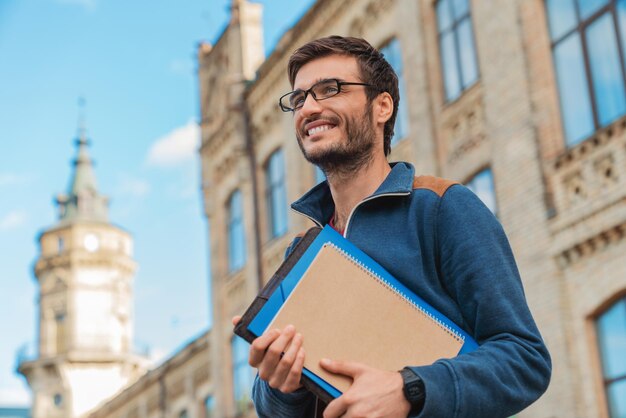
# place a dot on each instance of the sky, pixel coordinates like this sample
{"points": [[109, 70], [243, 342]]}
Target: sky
{"points": [[133, 63]]}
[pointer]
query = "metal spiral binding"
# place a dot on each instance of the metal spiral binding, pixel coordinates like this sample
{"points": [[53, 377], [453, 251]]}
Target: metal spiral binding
{"points": [[455, 334]]}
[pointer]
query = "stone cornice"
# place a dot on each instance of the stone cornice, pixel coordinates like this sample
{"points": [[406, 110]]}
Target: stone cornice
{"points": [[591, 245], [107, 259]]}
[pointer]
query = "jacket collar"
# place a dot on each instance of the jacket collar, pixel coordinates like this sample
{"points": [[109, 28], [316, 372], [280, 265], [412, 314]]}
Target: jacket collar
{"points": [[317, 204]]}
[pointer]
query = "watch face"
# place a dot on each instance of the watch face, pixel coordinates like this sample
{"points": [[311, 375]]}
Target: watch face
{"points": [[91, 242]]}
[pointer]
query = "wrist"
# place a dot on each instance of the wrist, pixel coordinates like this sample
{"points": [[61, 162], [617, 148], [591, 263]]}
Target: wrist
{"points": [[414, 390]]}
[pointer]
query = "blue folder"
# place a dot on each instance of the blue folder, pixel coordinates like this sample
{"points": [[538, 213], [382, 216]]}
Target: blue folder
{"points": [[259, 324]]}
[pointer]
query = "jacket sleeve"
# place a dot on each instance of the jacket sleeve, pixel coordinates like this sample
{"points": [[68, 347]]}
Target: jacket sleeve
{"points": [[272, 403], [512, 366]]}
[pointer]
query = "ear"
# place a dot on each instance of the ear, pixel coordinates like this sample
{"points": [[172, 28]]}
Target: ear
{"points": [[383, 107]]}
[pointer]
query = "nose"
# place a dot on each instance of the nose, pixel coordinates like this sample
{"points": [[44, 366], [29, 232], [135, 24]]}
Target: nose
{"points": [[310, 107]]}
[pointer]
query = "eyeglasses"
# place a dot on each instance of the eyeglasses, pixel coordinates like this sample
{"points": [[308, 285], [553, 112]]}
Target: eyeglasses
{"points": [[321, 90]]}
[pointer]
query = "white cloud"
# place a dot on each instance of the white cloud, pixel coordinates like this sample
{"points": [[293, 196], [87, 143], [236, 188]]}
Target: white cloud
{"points": [[88, 5], [176, 148], [16, 397], [13, 219], [12, 179], [182, 67], [132, 186]]}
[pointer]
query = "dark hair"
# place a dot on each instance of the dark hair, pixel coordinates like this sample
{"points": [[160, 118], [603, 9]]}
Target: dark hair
{"points": [[374, 69]]}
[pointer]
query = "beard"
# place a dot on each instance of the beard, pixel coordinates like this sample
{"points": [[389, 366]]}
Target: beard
{"points": [[345, 157]]}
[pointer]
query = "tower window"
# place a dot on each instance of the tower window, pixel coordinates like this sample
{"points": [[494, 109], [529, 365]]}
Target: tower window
{"points": [[58, 400]]}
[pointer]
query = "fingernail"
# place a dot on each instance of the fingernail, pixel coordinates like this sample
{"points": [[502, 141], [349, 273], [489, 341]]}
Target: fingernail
{"points": [[290, 328], [325, 362]]}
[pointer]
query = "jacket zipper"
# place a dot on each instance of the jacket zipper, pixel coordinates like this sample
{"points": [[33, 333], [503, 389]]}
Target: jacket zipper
{"points": [[345, 231], [307, 216]]}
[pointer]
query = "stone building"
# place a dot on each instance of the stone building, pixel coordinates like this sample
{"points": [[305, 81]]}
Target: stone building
{"points": [[178, 388], [85, 273], [522, 100], [85, 364]]}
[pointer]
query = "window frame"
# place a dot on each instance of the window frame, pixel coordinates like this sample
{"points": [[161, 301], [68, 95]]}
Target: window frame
{"points": [[272, 187], [604, 381], [396, 139], [581, 29], [233, 265], [235, 365], [454, 28], [477, 173]]}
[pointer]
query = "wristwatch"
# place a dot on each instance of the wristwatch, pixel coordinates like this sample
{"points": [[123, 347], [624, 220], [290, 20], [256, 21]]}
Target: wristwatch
{"points": [[414, 390]]}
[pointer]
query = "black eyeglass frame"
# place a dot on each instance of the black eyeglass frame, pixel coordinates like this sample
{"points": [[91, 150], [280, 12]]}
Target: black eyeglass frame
{"points": [[310, 91]]}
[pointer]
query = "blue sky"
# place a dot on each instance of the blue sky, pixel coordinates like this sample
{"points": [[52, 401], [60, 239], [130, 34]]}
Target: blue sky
{"points": [[134, 63]]}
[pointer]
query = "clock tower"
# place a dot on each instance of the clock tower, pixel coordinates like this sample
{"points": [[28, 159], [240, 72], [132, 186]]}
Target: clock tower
{"points": [[85, 273]]}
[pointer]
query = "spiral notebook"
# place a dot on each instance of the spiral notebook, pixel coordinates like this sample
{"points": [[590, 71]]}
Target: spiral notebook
{"points": [[347, 307]]}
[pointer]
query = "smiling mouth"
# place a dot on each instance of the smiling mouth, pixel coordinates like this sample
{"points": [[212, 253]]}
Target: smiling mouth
{"points": [[319, 129]]}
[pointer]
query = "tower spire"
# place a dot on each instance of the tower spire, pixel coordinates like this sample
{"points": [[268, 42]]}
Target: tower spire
{"points": [[83, 200]]}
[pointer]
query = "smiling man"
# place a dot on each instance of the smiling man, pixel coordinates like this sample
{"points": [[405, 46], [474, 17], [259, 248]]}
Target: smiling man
{"points": [[433, 235]]}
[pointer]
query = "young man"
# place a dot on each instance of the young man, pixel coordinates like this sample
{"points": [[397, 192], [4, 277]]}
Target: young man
{"points": [[433, 235]]}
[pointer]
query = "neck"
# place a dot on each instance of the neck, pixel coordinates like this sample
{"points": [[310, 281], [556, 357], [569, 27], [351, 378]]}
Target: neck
{"points": [[348, 190]]}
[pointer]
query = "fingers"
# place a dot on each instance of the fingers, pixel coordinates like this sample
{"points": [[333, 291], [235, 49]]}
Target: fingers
{"points": [[292, 382], [260, 345], [347, 368], [336, 408], [236, 320], [284, 367], [274, 353]]}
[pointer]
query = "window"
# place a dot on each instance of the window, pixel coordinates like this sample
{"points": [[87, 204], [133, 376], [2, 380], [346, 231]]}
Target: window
{"points": [[276, 195], [236, 233], [59, 320], [482, 186], [588, 41], [611, 328], [319, 175], [456, 47], [183, 414], [209, 407], [242, 374], [61, 243], [393, 54], [58, 400]]}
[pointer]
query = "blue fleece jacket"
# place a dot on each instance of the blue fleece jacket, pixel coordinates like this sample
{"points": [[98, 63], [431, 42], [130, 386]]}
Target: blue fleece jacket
{"points": [[442, 242]]}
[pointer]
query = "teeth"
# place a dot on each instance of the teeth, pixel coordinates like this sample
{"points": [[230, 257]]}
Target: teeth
{"points": [[319, 129]]}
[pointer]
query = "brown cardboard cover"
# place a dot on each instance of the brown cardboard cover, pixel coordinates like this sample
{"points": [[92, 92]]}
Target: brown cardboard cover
{"points": [[344, 313]]}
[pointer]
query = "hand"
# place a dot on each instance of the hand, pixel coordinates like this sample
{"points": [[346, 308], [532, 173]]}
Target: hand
{"points": [[279, 357], [373, 393]]}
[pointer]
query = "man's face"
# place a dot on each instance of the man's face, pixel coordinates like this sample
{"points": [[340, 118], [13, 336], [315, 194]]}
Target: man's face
{"points": [[337, 133]]}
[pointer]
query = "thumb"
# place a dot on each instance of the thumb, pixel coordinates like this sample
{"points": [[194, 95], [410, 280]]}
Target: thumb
{"points": [[347, 368]]}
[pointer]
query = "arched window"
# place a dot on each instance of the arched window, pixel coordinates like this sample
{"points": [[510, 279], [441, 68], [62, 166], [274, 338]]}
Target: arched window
{"points": [[482, 186], [276, 194], [611, 327], [393, 54], [236, 233], [242, 374], [209, 407]]}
